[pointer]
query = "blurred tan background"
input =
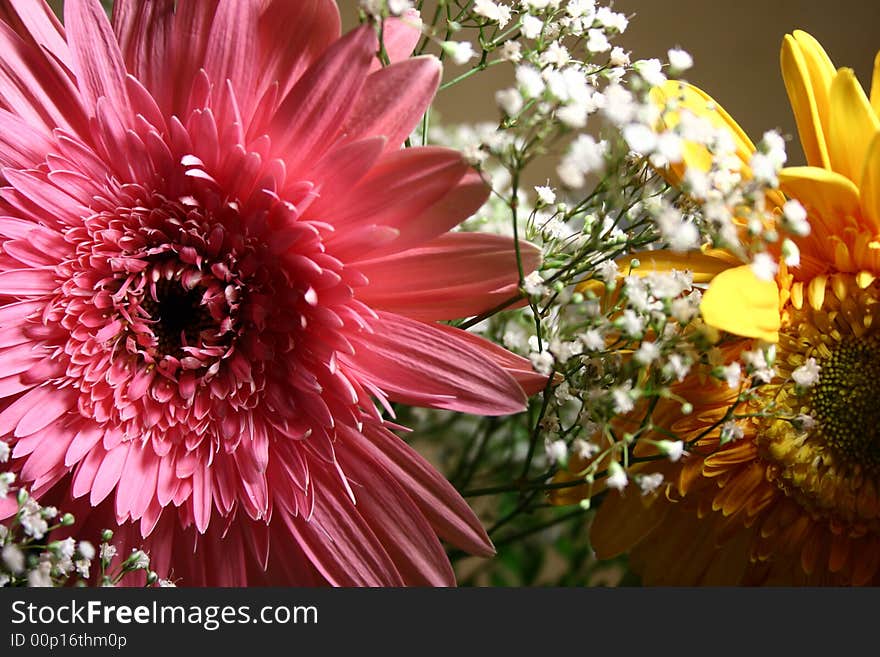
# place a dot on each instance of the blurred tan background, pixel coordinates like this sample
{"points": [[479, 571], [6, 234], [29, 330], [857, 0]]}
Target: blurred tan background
{"points": [[735, 46]]}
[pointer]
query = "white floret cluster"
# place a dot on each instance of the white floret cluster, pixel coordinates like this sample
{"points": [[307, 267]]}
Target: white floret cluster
{"points": [[31, 555]]}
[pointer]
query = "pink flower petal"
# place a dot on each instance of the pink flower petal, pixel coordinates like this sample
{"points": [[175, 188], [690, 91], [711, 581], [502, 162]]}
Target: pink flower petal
{"points": [[34, 20], [518, 367], [202, 497], [86, 469], [315, 109], [8, 507], [14, 412], [26, 282], [21, 146], [132, 21], [35, 87], [50, 242], [341, 544], [398, 523], [184, 55], [28, 254], [459, 203], [86, 438], [454, 275], [142, 378], [356, 241], [383, 110], [12, 385], [15, 228], [403, 185], [50, 405], [108, 473], [55, 202], [137, 483], [343, 167], [97, 60], [167, 482], [292, 37], [47, 481], [400, 36], [144, 32], [43, 461], [420, 364], [19, 358], [233, 33], [442, 505], [12, 314]]}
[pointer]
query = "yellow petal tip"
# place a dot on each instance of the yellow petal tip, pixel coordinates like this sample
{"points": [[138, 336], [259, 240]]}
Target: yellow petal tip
{"points": [[740, 302]]}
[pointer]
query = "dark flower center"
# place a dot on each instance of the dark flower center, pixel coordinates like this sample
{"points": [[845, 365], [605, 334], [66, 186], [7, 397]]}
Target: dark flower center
{"points": [[846, 400], [179, 316]]}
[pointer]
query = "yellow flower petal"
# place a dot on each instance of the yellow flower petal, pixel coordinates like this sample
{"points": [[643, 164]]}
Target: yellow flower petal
{"points": [[827, 196], [624, 522], [816, 291], [739, 302], [875, 85], [864, 279], [853, 125], [688, 97], [799, 85], [693, 156], [870, 185], [797, 295], [821, 72], [705, 266]]}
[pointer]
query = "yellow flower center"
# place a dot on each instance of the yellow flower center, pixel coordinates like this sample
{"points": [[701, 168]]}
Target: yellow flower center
{"points": [[822, 443]]}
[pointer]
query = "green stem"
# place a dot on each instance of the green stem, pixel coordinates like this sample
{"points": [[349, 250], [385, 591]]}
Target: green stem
{"points": [[482, 66], [516, 536]]}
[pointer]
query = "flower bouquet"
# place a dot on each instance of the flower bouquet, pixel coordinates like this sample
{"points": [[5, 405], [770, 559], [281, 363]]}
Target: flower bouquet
{"points": [[267, 317]]}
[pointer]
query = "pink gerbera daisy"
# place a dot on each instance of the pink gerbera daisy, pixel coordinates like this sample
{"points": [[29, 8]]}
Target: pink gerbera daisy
{"points": [[216, 260]]}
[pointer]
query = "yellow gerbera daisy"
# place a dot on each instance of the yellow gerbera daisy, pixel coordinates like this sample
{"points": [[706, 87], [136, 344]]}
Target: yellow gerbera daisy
{"points": [[796, 499]]}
